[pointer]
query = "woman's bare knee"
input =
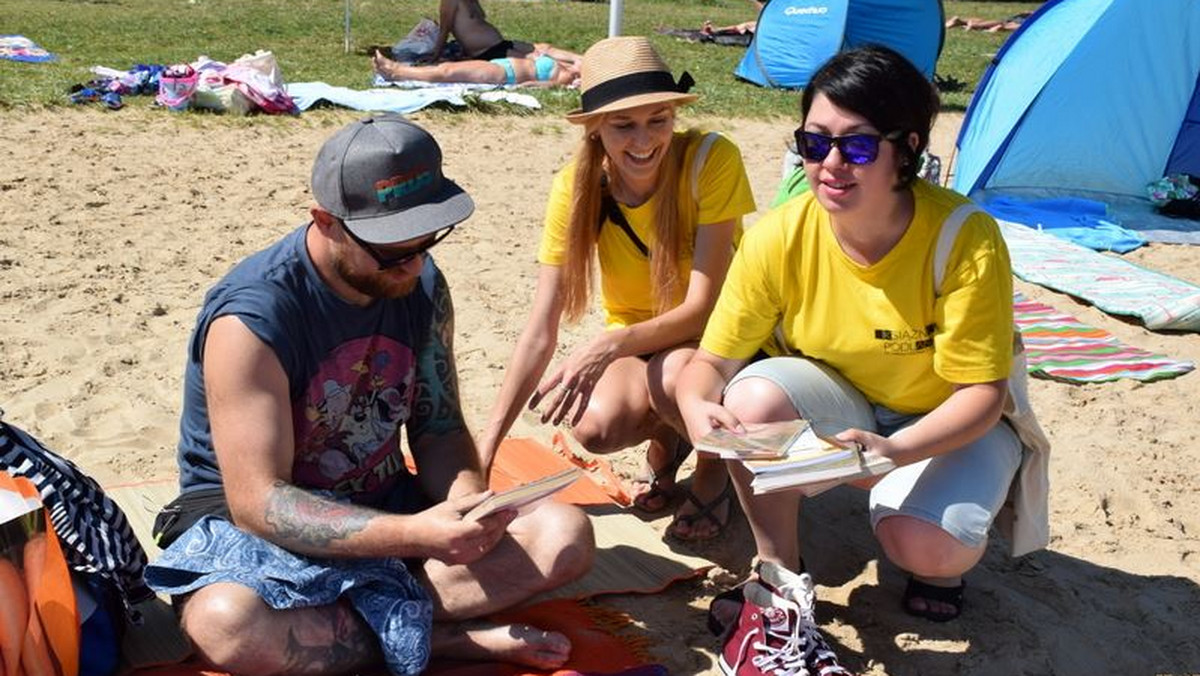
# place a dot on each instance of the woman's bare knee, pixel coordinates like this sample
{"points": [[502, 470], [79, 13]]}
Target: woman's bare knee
{"points": [[924, 549], [759, 400], [606, 428]]}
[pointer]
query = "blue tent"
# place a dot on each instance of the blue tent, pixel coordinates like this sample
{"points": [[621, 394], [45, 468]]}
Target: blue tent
{"points": [[1088, 98], [794, 37]]}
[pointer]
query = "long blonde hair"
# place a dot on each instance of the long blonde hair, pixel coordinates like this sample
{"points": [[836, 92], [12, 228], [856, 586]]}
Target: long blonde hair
{"points": [[667, 281]]}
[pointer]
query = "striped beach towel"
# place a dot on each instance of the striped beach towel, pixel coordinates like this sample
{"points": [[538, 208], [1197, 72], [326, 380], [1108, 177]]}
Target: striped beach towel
{"points": [[21, 48], [1060, 347], [1115, 285]]}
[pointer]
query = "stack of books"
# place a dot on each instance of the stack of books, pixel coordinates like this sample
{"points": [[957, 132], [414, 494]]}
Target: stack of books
{"points": [[790, 455]]}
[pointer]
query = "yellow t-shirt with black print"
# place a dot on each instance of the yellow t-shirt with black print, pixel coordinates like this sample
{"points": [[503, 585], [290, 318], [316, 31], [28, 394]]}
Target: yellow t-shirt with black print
{"points": [[881, 326], [723, 193]]}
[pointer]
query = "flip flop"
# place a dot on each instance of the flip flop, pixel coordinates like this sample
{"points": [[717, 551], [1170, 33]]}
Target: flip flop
{"points": [[656, 477], [704, 512], [952, 596]]}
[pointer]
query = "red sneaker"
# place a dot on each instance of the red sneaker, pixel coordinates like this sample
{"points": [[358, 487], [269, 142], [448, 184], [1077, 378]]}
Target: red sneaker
{"points": [[776, 633]]}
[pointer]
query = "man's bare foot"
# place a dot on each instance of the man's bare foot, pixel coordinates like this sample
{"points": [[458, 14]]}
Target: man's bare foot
{"points": [[515, 643]]}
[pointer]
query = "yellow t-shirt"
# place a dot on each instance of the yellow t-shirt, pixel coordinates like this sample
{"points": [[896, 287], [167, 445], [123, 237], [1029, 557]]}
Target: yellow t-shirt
{"points": [[881, 326], [723, 193]]}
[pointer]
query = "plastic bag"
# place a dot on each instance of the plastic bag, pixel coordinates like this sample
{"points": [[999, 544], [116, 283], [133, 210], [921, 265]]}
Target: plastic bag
{"points": [[418, 43], [258, 78]]}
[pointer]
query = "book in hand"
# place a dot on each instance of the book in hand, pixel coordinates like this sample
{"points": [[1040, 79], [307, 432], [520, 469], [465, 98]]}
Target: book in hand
{"points": [[761, 440], [812, 476], [524, 495]]}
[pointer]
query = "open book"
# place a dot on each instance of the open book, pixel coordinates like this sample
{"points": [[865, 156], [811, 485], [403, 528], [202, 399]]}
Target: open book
{"points": [[787, 438], [525, 494]]}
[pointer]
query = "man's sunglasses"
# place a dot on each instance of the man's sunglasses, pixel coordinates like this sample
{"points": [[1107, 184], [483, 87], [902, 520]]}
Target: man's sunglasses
{"points": [[388, 262], [854, 148]]}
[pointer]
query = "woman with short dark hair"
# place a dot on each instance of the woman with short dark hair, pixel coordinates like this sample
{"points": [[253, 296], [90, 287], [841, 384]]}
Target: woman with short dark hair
{"points": [[839, 287]]}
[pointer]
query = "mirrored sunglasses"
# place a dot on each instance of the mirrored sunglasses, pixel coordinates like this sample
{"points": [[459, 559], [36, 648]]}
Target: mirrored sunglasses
{"points": [[388, 262], [854, 148]]}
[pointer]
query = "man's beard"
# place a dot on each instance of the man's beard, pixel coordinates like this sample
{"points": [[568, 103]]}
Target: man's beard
{"points": [[378, 284]]}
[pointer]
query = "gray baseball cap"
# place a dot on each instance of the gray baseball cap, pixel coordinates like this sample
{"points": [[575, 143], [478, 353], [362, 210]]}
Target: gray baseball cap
{"points": [[382, 176]]}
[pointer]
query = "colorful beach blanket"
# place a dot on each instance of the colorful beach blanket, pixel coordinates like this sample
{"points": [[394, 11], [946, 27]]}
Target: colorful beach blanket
{"points": [[1060, 347], [21, 48], [1115, 285]]}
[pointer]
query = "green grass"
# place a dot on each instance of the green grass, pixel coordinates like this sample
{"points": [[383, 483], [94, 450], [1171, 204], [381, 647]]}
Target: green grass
{"points": [[306, 37]]}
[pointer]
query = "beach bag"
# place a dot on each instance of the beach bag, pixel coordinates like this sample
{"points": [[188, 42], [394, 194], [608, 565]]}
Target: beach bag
{"points": [[1024, 520], [39, 623], [176, 86], [258, 79], [419, 42], [103, 556]]}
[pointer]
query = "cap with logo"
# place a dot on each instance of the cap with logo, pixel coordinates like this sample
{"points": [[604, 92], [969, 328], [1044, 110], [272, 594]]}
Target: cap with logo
{"points": [[382, 176]]}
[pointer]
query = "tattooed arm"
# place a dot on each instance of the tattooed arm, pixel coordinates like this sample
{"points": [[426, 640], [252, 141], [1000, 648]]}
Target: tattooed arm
{"points": [[447, 463], [251, 418]]}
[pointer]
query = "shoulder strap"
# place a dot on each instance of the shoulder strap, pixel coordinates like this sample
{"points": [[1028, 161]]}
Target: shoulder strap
{"points": [[698, 162], [610, 210], [949, 233]]}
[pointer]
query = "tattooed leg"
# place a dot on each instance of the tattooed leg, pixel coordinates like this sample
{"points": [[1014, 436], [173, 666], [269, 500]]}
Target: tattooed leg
{"points": [[328, 640], [234, 630]]}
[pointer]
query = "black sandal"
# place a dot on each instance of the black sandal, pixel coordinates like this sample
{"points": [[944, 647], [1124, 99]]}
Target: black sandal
{"points": [[952, 596], [656, 491], [704, 511]]}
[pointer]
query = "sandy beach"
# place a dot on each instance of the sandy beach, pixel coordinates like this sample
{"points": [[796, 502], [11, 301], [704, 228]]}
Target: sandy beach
{"points": [[113, 225]]}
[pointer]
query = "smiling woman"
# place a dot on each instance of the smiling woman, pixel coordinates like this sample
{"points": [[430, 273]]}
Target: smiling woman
{"points": [[838, 286], [659, 211]]}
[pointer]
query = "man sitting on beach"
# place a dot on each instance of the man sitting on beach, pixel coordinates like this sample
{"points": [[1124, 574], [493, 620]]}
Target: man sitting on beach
{"points": [[467, 22], [302, 544]]}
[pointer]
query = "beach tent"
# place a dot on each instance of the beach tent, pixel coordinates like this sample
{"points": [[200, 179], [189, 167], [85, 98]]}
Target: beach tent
{"points": [[1088, 98], [794, 37]]}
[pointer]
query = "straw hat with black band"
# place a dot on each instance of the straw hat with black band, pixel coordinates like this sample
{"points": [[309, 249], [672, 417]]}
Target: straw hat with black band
{"points": [[625, 72]]}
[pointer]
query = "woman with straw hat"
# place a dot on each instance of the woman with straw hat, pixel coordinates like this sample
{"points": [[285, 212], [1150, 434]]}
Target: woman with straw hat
{"points": [[660, 212]]}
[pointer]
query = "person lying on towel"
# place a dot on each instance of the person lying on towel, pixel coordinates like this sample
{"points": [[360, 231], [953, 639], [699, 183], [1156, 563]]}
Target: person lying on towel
{"points": [[546, 66], [301, 543]]}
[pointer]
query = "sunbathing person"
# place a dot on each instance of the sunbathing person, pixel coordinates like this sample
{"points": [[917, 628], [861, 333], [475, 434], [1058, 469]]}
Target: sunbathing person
{"points": [[736, 29], [546, 67], [467, 22], [1012, 23]]}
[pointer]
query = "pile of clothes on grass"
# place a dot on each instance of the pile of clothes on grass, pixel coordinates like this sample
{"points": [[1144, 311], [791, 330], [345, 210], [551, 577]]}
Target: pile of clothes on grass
{"points": [[252, 83]]}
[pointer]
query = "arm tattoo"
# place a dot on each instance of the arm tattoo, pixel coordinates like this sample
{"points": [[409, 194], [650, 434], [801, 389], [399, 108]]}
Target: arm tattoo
{"points": [[436, 407], [302, 518], [329, 640]]}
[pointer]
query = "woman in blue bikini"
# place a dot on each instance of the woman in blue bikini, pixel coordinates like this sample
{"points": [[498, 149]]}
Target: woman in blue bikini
{"points": [[546, 66]]}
